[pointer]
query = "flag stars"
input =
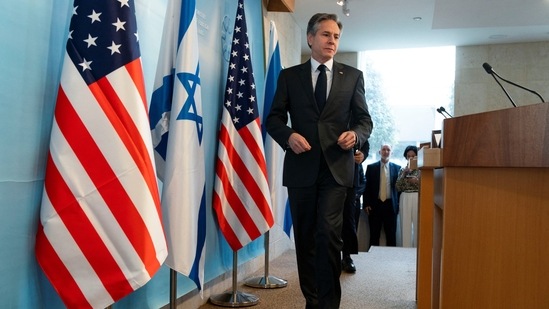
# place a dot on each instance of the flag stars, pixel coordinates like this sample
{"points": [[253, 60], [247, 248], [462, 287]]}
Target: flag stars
{"points": [[228, 103], [95, 16], [85, 65], [102, 32], [246, 145], [240, 76], [115, 48], [124, 3], [229, 90], [90, 40], [119, 24]]}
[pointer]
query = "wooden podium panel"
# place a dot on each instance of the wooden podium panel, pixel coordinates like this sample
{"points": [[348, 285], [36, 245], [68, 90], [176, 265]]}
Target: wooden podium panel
{"points": [[513, 137], [489, 204], [424, 269], [495, 237]]}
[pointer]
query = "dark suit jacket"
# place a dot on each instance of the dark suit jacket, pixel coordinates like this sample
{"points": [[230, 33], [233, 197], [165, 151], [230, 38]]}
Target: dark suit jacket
{"points": [[345, 110], [371, 193], [360, 179]]}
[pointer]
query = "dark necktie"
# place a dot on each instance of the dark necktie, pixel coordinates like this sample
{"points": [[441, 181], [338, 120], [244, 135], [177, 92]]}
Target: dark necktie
{"points": [[320, 88]]}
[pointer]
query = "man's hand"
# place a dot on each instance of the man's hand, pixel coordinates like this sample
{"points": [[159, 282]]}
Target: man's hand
{"points": [[347, 140], [298, 143], [359, 156]]}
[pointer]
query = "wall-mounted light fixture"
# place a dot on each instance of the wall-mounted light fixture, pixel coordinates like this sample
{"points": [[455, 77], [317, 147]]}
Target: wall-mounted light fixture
{"points": [[344, 7]]}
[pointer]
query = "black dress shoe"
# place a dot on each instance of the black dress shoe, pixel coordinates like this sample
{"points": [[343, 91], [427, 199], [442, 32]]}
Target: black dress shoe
{"points": [[348, 266]]}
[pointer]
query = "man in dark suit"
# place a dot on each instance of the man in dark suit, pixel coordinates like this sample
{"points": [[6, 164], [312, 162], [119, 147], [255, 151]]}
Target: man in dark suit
{"points": [[380, 198], [319, 165]]}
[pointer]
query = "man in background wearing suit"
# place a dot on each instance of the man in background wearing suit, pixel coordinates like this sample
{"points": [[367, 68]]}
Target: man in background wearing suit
{"points": [[380, 198], [351, 212], [318, 165]]}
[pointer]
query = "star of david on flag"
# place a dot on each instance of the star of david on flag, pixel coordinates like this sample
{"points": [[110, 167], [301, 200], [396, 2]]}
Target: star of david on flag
{"points": [[177, 130]]}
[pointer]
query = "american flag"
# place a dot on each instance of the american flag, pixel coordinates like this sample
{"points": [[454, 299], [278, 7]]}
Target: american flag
{"points": [[177, 127], [100, 233], [241, 198]]}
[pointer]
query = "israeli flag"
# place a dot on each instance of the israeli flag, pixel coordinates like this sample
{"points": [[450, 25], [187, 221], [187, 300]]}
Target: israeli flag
{"points": [[177, 130], [273, 153]]}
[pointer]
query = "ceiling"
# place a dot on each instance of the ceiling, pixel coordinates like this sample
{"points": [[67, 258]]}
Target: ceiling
{"points": [[390, 24]]}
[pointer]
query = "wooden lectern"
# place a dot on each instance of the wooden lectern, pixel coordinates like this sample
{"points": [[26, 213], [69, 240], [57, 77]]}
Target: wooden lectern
{"points": [[490, 212]]}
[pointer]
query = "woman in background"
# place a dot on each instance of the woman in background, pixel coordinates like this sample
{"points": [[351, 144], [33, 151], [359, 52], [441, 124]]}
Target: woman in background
{"points": [[408, 185]]}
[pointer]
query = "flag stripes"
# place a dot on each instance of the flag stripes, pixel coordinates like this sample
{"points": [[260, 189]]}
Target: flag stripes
{"points": [[241, 197], [100, 234], [76, 129], [87, 241], [56, 271], [86, 142], [239, 179]]}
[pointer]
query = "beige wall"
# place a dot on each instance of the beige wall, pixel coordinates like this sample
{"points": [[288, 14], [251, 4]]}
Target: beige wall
{"points": [[289, 36], [346, 58], [526, 64]]}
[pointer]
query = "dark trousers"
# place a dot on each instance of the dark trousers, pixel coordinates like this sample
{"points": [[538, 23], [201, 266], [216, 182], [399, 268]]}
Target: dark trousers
{"points": [[383, 214], [317, 214], [351, 213]]}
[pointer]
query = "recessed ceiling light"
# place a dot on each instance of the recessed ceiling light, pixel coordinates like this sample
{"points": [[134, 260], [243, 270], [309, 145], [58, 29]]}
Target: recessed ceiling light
{"points": [[417, 18]]}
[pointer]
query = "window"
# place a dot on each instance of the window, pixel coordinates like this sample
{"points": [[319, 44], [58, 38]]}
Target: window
{"points": [[404, 88]]}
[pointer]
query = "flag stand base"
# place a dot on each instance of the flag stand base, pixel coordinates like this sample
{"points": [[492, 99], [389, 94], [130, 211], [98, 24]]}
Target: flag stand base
{"points": [[269, 282], [234, 299]]}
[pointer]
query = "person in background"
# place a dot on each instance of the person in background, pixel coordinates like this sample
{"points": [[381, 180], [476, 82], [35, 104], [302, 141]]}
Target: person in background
{"points": [[324, 102], [408, 186], [381, 197], [351, 211]]}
